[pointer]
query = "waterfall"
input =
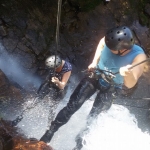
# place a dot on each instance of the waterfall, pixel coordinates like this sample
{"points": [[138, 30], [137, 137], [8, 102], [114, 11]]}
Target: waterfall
{"points": [[115, 129], [12, 68]]}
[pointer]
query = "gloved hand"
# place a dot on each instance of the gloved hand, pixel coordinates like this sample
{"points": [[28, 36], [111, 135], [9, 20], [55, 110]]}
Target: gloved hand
{"points": [[125, 71], [55, 80], [92, 67]]}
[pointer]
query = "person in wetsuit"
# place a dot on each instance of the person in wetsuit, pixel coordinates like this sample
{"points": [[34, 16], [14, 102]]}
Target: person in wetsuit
{"points": [[59, 74], [116, 51], [55, 86]]}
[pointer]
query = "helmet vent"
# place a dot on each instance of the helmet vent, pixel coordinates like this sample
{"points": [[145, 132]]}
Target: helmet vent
{"points": [[112, 37], [125, 34], [124, 27], [118, 32], [119, 39]]}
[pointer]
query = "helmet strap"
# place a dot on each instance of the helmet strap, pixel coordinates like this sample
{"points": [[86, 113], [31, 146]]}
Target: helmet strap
{"points": [[119, 53]]}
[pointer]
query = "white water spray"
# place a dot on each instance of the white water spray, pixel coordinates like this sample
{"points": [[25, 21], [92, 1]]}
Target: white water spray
{"points": [[115, 129]]}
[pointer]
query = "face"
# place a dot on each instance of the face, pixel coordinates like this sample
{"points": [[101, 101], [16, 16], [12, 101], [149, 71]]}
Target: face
{"points": [[58, 69], [120, 52]]}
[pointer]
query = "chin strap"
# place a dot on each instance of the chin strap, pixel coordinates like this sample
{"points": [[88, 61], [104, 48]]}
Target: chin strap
{"points": [[119, 53]]}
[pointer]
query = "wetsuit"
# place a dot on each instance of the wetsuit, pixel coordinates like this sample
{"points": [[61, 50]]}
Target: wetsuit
{"points": [[50, 87], [88, 86]]}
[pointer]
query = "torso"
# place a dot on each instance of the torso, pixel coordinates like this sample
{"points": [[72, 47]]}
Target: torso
{"points": [[66, 66], [112, 62]]}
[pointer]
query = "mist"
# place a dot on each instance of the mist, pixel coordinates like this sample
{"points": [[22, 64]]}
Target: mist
{"points": [[15, 72]]}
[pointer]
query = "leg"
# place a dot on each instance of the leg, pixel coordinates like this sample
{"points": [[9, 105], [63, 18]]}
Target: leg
{"points": [[102, 102], [84, 91]]}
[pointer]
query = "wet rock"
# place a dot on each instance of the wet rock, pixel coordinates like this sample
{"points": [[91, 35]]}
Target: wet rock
{"points": [[17, 139], [147, 9], [10, 44], [3, 31], [7, 90]]}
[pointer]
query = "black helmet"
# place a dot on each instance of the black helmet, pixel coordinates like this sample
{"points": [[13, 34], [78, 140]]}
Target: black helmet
{"points": [[50, 62], [119, 38]]}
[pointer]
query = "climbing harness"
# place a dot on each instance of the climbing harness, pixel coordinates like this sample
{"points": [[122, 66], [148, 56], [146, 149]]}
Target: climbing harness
{"points": [[110, 75]]}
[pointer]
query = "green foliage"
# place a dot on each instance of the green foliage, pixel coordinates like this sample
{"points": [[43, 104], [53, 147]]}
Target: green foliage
{"points": [[139, 7], [144, 19], [88, 4]]}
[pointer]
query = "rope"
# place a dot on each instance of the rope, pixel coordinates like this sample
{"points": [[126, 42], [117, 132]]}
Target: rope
{"points": [[140, 43], [57, 31], [20, 117], [148, 59], [54, 106]]}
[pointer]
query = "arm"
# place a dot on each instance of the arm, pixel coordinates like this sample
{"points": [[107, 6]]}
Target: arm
{"points": [[97, 54], [61, 84], [132, 76]]}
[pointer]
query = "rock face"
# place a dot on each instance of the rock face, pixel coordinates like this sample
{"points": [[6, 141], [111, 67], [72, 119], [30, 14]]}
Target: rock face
{"points": [[8, 90], [28, 28], [17, 140]]}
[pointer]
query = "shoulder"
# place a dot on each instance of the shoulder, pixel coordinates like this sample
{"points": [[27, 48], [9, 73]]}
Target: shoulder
{"points": [[67, 65], [101, 44], [139, 58], [102, 41], [137, 48]]}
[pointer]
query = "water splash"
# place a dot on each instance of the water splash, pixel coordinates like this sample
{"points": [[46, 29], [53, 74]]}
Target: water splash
{"points": [[117, 129]]}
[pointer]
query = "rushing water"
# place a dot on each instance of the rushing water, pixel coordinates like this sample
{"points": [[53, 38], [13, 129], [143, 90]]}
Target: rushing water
{"points": [[115, 129]]}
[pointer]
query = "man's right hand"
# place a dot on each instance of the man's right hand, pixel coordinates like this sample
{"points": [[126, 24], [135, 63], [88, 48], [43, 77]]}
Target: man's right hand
{"points": [[92, 67]]}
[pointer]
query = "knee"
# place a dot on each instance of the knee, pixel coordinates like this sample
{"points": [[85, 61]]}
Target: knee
{"points": [[106, 100], [106, 105]]}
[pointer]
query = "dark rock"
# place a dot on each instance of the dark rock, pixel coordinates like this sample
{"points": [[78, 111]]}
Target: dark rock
{"points": [[3, 31], [147, 9], [7, 90]]}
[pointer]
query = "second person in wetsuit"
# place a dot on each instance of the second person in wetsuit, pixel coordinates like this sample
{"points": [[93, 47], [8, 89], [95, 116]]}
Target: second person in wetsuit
{"points": [[59, 74], [55, 85]]}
